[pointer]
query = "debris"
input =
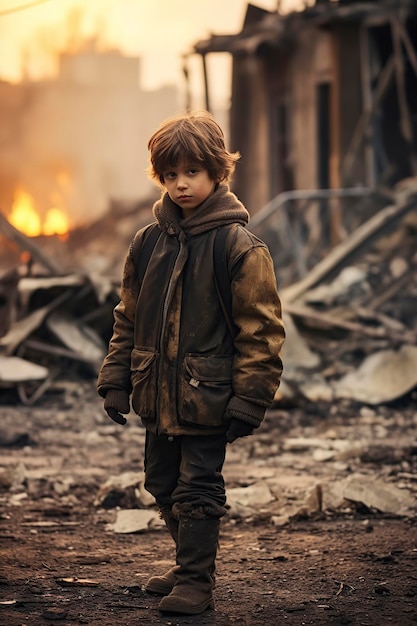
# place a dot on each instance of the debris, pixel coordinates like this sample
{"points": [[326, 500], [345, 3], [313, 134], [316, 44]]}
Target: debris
{"points": [[16, 370], [245, 501], [382, 377], [296, 353], [327, 294], [353, 246], [44, 329], [77, 582], [382, 588], [357, 303], [27, 243], [359, 300], [136, 521], [21, 329], [314, 500], [81, 339], [343, 587], [124, 490], [8, 602], [377, 494], [12, 477], [20, 440], [54, 614]]}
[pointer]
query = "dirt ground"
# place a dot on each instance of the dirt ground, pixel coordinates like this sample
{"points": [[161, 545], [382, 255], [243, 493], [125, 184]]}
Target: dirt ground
{"points": [[61, 562]]}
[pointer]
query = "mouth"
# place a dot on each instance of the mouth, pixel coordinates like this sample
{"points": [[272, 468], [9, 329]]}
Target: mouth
{"points": [[182, 198]]}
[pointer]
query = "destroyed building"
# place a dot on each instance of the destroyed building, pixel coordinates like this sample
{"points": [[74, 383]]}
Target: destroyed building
{"points": [[321, 98]]}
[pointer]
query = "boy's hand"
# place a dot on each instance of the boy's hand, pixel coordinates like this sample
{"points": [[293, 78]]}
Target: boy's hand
{"points": [[238, 428], [116, 402], [116, 416]]}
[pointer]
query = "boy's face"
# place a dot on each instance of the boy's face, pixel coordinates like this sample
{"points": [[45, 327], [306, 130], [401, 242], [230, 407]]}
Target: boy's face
{"points": [[188, 186]]}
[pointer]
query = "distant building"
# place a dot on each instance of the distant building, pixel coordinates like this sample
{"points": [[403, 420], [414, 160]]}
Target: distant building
{"points": [[80, 140]]}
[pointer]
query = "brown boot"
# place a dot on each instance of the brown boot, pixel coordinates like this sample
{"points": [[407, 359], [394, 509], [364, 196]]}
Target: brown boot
{"points": [[196, 554], [162, 585]]}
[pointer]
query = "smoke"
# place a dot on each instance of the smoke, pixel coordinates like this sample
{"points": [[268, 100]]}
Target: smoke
{"points": [[72, 35]]}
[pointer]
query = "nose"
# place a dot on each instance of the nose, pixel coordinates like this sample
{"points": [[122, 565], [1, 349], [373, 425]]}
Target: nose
{"points": [[181, 182]]}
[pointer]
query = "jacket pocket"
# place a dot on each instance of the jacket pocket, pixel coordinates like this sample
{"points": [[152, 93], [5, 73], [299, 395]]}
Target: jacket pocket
{"points": [[206, 389], [143, 366]]}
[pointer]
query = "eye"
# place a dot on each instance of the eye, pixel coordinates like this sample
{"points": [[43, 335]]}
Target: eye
{"points": [[169, 175], [193, 171]]}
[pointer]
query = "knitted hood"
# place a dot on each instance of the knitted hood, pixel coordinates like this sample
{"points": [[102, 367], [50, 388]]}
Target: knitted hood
{"points": [[219, 209]]}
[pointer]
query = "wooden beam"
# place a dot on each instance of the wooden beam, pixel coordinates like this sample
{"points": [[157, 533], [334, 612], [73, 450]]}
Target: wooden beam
{"points": [[366, 117], [405, 117], [408, 45], [350, 248], [206, 82], [322, 320], [26, 243]]}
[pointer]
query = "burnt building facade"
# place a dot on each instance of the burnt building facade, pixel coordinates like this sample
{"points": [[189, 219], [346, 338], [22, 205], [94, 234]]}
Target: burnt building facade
{"points": [[323, 98]]}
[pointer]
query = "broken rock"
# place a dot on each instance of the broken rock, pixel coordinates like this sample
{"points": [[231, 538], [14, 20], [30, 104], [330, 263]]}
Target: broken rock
{"points": [[382, 377], [15, 370], [245, 501], [376, 494], [135, 521], [127, 488]]}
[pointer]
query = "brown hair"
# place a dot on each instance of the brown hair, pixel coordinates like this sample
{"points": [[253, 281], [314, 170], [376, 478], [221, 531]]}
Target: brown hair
{"points": [[196, 138]]}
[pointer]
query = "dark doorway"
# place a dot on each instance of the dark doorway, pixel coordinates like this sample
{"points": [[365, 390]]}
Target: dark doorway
{"points": [[394, 151], [281, 172], [323, 135]]}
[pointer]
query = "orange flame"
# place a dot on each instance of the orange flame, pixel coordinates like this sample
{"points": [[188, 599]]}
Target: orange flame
{"points": [[25, 217], [56, 223]]}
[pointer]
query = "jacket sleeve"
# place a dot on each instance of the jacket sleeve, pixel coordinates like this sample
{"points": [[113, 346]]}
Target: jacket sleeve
{"points": [[257, 364], [115, 370]]}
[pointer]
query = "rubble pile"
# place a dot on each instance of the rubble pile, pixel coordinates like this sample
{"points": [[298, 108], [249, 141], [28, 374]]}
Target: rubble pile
{"points": [[56, 301], [351, 319]]}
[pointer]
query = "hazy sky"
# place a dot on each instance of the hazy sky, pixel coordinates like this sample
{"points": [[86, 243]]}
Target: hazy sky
{"points": [[159, 31]]}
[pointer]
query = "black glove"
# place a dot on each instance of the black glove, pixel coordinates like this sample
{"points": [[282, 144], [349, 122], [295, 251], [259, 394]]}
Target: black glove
{"points": [[115, 403], [238, 428]]}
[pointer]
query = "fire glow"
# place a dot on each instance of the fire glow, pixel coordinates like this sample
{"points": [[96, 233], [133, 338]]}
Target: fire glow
{"points": [[26, 218]]}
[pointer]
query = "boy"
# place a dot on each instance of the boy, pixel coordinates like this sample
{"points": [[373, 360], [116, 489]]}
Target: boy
{"points": [[197, 380]]}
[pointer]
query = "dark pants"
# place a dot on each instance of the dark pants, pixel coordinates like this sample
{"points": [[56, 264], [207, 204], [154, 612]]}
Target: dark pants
{"points": [[185, 473]]}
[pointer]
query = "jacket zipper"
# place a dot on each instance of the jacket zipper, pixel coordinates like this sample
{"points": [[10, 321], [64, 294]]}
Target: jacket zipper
{"points": [[177, 269]]}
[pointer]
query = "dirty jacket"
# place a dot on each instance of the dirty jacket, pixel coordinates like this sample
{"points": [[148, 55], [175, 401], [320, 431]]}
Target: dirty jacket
{"points": [[171, 348]]}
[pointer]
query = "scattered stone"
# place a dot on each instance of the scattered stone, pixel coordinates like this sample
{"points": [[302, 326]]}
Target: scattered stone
{"points": [[126, 490], [382, 377], [13, 477], [77, 582], [384, 497], [13, 369], [54, 614], [135, 521], [245, 501]]}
